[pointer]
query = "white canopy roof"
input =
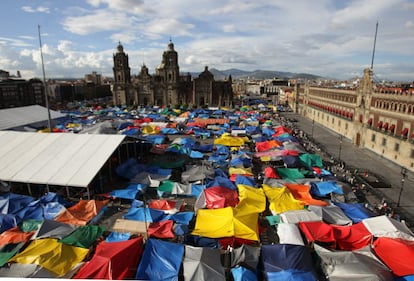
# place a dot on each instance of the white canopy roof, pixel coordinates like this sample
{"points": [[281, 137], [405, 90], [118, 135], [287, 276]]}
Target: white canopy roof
{"points": [[25, 115], [55, 159]]}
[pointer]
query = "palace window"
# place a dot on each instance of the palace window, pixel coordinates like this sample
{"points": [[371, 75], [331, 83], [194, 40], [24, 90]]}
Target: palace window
{"points": [[384, 141], [373, 137], [397, 147]]}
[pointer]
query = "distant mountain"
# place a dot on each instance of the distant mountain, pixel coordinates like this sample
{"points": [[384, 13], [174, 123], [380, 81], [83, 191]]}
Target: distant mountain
{"points": [[257, 74]]}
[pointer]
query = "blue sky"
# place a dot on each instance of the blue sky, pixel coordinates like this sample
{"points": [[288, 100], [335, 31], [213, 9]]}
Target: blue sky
{"points": [[332, 38]]}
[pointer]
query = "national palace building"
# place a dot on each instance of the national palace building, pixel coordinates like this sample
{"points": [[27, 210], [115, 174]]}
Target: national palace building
{"points": [[372, 116], [167, 87]]}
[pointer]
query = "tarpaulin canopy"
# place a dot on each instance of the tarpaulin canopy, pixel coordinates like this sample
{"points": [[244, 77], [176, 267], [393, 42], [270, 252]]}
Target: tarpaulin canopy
{"points": [[14, 235], [289, 233], [54, 229], [113, 260], [323, 188], [296, 216], [84, 236], [346, 238], [281, 199], [302, 193], [225, 222], [201, 263], [284, 257], [54, 159], [161, 260], [57, 257], [355, 211], [246, 256], [384, 226], [251, 200], [82, 212], [397, 254], [220, 197], [358, 265], [331, 214]]}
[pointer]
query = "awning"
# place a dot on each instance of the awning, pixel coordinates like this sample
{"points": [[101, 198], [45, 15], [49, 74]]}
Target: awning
{"points": [[369, 121], [404, 132], [55, 159], [379, 124], [392, 127], [385, 126]]}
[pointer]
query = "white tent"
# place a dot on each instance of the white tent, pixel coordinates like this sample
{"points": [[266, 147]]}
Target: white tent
{"points": [[384, 226], [289, 233], [21, 116], [60, 159]]}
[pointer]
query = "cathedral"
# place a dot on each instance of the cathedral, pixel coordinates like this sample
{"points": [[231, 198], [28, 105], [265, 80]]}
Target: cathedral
{"points": [[167, 87]]}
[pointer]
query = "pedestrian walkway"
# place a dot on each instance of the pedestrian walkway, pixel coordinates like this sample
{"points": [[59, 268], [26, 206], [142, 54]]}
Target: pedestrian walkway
{"points": [[383, 178]]}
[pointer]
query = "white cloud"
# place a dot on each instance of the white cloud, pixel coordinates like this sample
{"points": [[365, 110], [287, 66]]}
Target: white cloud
{"points": [[327, 37], [409, 24], [39, 9], [100, 20]]}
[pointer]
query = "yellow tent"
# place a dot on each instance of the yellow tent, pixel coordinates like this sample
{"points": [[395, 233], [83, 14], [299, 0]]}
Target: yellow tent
{"points": [[228, 140], [240, 171], [281, 200], [226, 222], [56, 257], [149, 130], [251, 200], [246, 226], [214, 223]]}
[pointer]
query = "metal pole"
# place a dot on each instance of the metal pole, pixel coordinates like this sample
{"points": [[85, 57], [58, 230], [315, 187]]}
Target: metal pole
{"points": [[44, 82], [313, 125], [403, 176], [340, 147]]}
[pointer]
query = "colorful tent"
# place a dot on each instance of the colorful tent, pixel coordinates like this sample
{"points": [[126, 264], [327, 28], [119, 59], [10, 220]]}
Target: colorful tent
{"points": [[113, 260], [287, 262], [161, 260], [337, 237], [281, 199], [384, 226], [397, 254], [56, 257], [82, 212], [355, 265], [201, 263]]}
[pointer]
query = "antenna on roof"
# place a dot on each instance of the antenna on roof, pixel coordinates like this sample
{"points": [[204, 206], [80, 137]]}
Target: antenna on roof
{"points": [[44, 83], [375, 42]]}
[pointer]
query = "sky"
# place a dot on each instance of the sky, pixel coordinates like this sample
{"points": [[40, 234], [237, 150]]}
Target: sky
{"points": [[330, 38]]}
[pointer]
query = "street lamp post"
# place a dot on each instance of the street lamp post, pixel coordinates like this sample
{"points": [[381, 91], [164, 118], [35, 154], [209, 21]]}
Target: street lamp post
{"points": [[403, 176], [340, 147], [313, 125]]}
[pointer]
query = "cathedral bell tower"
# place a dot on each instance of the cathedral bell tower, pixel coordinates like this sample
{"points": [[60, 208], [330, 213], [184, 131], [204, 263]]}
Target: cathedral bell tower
{"points": [[170, 73], [122, 93]]}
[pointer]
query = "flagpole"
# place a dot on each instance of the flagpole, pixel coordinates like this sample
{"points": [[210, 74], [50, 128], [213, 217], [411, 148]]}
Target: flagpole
{"points": [[44, 83]]}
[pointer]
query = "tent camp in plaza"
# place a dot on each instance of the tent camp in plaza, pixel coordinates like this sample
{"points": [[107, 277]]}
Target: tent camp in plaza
{"points": [[192, 201]]}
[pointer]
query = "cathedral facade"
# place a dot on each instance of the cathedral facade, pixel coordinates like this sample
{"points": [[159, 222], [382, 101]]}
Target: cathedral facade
{"points": [[167, 87]]}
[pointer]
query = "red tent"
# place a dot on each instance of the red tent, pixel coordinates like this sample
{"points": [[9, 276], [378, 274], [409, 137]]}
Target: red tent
{"points": [[346, 238], [220, 197], [113, 260], [397, 254]]}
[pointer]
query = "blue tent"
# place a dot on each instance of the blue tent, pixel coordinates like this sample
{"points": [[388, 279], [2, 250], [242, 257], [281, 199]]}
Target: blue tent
{"points": [[241, 273], [221, 181], [161, 261], [323, 188], [144, 214], [284, 260], [130, 168], [241, 179], [355, 211]]}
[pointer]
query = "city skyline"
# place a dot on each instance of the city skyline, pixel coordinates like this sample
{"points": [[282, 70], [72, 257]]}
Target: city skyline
{"points": [[330, 38]]}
